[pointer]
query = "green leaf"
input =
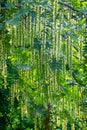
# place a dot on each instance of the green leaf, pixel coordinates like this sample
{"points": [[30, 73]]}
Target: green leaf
{"points": [[14, 21], [40, 109], [26, 1], [85, 49], [37, 44], [55, 65], [1, 26], [10, 5], [84, 10], [82, 21], [1, 115], [25, 67], [72, 35], [84, 104]]}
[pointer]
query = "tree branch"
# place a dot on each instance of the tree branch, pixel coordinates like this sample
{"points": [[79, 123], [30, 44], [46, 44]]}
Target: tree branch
{"points": [[72, 8]]}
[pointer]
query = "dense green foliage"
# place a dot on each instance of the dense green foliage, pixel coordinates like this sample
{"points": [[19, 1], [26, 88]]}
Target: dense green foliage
{"points": [[43, 65]]}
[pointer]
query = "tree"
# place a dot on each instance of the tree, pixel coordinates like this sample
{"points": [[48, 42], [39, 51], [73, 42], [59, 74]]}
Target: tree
{"points": [[43, 64]]}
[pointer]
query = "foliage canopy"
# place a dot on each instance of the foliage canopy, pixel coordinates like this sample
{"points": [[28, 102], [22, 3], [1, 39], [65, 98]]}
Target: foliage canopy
{"points": [[43, 65]]}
